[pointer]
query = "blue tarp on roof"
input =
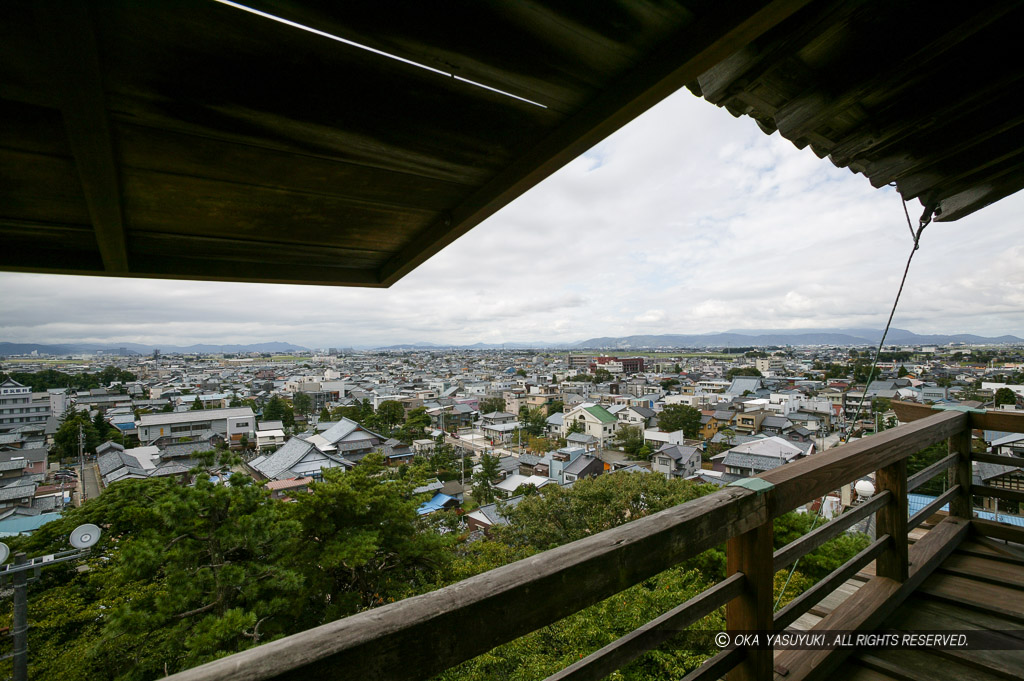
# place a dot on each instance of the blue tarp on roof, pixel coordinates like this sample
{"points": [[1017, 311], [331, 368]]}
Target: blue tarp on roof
{"points": [[915, 502], [15, 525], [435, 504]]}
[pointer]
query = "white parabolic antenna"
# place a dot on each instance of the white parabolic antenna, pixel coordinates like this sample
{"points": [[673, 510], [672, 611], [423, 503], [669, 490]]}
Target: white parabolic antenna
{"points": [[84, 536], [864, 488], [5, 551]]}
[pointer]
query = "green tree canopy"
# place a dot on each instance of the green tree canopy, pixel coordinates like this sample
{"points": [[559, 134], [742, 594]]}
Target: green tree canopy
{"points": [[489, 405], [65, 440], [302, 403], [742, 371], [1005, 396], [630, 438], [680, 417], [483, 479], [362, 545], [533, 420], [278, 409], [415, 426], [389, 414]]}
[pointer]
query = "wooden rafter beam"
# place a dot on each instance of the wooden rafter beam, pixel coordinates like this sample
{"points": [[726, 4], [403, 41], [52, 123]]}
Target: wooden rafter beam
{"points": [[67, 31], [711, 38]]}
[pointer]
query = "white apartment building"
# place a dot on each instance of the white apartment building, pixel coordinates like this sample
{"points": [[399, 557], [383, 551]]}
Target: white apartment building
{"points": [[227, 422], [20, 407]]}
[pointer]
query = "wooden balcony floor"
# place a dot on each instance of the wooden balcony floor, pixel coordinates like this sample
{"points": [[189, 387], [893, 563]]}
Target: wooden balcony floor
{"points": [[979, 586]]}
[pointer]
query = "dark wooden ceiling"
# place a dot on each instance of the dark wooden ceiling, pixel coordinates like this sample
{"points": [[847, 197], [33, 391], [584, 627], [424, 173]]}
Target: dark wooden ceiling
{"points": [[195, 140]]}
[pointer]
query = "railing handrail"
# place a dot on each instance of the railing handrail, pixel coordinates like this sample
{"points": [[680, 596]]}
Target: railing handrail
{"points": [[424, 635]]}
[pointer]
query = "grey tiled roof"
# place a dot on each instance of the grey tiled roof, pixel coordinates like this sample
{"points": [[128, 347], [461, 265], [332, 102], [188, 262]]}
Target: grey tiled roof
{"points": [[290, 453]]}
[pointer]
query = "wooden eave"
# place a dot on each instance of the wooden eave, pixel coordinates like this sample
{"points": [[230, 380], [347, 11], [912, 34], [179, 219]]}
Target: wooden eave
{"points": [[919, 95], [193, 140]]}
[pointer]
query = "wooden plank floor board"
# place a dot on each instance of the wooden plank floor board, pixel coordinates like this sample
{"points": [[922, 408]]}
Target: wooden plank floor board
{"points": [[859, 673], [922, 613], [986, 570], [919, 665], [1000, 600], [980, 586], [999, 550]]}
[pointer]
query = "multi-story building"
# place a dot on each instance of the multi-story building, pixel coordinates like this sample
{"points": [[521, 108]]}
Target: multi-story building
{"points": [[20, 407], [229, 423]]}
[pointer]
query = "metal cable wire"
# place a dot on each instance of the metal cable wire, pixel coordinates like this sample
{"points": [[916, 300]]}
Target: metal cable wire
{"points": [[926, 218]]}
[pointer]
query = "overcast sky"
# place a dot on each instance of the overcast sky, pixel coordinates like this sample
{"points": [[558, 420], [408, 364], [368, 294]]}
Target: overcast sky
{"points": [[685, 221]]}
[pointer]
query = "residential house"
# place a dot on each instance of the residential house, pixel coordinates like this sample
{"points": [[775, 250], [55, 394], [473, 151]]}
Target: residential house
{"points": [[635, 416], [676, 461], [584, 466], [286, 490], [297, 458], [347, 439], [591, 419], [998, 475], [759, 455]]}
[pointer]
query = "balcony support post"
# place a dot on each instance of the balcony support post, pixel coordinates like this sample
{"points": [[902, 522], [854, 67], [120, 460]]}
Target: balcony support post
{"points": [[960, 506], [751, 611], [892, 520]]}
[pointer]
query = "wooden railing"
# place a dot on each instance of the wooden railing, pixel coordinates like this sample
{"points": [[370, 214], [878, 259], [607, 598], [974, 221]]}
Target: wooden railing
{"points": [[421, 636]]}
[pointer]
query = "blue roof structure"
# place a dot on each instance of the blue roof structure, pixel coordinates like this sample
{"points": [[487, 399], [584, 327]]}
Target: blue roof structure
{"points": [[915, 502], [437, 503], [12, 527]]}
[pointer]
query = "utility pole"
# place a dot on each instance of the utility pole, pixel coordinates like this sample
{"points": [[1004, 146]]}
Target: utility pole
{"points": [[20, 580], [82, 538], [81, 463]]}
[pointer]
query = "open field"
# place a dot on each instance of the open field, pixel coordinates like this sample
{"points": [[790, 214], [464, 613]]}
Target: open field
{"points": [[649, 353]]}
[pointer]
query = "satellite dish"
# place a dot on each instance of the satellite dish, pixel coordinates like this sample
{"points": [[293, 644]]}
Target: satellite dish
{"points": [[864, 488], [5, 552], [84, 536]]}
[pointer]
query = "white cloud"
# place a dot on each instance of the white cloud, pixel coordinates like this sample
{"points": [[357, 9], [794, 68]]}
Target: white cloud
{"points": [[685, 221]]}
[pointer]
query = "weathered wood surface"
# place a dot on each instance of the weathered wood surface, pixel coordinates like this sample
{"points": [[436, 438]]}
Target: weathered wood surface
{"points": [[934, 506], [988, 528], [988, 548], [1000, 459], [1014, 495], [992, 419], [716, 668], [892, 520], [75, 68], [750, 553], [874, 602], [814, 476], [961, 474], [917, 665], [803, 602], [785, 556], [985, 569], [421, 636], [944, 617], [997, 419], [1002, 601], [621, 652], [926, 474], [682, 58]]}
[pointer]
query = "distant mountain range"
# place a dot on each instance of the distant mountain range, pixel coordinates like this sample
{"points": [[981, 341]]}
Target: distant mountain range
{"points": [[7, 349], [734, 338], [763, 337]]}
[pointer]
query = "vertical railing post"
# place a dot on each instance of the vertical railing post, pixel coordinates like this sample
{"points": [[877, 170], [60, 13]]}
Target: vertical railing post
{"points": [[751, 611], [961, 473], [892, 520]]}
